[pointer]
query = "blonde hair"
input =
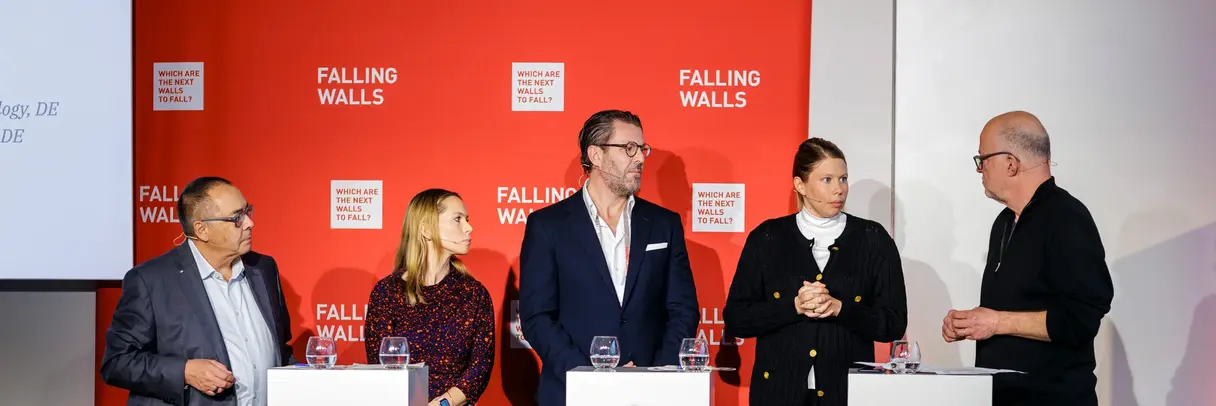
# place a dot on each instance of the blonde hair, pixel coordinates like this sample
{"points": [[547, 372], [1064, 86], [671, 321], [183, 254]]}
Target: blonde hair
{"points": [[414, 251]]}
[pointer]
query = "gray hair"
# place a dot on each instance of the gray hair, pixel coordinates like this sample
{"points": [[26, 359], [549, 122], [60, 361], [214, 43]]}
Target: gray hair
{"points": [[1033, 142]]}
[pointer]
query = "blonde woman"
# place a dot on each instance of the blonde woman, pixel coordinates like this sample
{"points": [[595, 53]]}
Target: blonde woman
{"points": [[432, 301]]}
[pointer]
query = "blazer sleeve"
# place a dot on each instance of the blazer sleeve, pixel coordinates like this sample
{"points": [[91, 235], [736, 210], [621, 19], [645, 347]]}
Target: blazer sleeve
{"points": [[749, 312], [885, 318], [130, 360], [682, 307], [538, 301]]}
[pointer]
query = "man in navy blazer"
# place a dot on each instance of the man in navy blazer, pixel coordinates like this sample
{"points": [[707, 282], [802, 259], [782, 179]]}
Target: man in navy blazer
{"points": [[201, 324], [603, 262]]}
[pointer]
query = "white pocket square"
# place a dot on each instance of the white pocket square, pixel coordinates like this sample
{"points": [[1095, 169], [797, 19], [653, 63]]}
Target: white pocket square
{"points": [[656, 246]]}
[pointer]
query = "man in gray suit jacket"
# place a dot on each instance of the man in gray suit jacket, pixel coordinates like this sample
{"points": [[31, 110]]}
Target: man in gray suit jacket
{"points": [[201, 324]]}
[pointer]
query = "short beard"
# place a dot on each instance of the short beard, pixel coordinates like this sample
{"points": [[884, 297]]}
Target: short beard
{"points": [[619, 184], [993, 196]]}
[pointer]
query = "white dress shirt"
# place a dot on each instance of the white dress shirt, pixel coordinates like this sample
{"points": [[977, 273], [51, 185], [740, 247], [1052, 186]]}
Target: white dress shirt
{"points": [[615, 244], [822, 232], [251, 348]]}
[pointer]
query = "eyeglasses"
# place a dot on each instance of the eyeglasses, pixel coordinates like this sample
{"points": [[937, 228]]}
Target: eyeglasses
{"points": [[237, 219], [631, 148], [979, 159]]}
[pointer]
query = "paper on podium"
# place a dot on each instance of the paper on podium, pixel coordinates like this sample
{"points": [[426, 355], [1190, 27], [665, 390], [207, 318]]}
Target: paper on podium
{"points": [[968, 371], [676, 368], [381, 366], [926, 369]]}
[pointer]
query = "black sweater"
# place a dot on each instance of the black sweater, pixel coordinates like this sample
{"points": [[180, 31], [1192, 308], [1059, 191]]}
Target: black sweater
{"points": [[864, 273], [1051, 259]]}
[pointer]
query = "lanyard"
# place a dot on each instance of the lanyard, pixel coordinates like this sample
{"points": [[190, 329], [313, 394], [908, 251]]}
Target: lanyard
{"points": [[599, 233]]}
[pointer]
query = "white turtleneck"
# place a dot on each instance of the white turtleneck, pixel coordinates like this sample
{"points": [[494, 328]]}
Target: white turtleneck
{"points": [[822, 232]]}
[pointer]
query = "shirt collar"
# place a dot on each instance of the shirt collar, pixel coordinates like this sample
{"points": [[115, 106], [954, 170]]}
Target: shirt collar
{"points": [[591, 204], [205, 270]]}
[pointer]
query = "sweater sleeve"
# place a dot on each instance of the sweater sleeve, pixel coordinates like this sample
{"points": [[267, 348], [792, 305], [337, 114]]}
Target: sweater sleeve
{"points": [[750, 311], [885, 317]]}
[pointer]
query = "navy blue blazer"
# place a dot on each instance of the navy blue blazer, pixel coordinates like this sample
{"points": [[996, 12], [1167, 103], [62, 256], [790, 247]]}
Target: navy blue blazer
{"points": [[566, 295], [164, 318]]}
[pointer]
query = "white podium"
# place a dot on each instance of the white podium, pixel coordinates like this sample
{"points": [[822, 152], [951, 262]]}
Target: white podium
{"points": [[641, 386], [923, 389], [347, 385]]}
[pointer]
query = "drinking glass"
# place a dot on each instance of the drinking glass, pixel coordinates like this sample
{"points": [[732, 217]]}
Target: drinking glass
{"points": [[394, 352], [322, 352], [694, 354], [905, 356], [605, 353]]}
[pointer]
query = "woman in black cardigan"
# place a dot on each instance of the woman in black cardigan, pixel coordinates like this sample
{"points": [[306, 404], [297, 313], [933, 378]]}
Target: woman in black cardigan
{"points": [[816, 288]]}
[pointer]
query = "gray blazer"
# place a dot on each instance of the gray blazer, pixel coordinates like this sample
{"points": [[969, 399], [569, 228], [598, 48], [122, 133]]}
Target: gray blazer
{"points": [[164, 318]]}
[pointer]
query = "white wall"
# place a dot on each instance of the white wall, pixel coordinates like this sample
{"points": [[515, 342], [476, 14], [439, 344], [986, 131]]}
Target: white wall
{"points": [[851, 95], [1125, 89], [49, 343]]}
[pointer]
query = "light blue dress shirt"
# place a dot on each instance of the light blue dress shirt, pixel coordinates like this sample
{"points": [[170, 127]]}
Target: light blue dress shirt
{"points": [[251, 348]]}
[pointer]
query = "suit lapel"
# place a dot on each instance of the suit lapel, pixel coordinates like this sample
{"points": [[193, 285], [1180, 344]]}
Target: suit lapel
{"points": [[261, 295], [639, 236], [584, 234], [196, 294]]}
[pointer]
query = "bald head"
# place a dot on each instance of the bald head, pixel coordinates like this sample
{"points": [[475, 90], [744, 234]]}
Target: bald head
{"points": [[1020, 132]]}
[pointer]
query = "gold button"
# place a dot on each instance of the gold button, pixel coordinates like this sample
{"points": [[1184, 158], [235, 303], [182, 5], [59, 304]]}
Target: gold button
{"points": [[819, 277], [857, 299], [765, 375], [820, 393], [814, 353], [776, 295], [835, 248]]}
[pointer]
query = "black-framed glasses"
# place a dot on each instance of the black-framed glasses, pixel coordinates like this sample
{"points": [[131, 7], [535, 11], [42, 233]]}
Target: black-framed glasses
{"points": [[631, 148], [237, 219], [979, 159]]}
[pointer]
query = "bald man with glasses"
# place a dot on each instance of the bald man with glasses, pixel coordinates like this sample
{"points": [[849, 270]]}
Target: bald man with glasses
{"points": [[202, 323], [1046, 285]]}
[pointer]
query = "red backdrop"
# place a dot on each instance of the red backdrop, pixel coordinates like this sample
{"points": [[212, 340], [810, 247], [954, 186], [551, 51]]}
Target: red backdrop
{"points": [[253, 103]]}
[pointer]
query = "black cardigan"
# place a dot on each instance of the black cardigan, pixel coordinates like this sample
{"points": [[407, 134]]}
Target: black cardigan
{"points": [[864, 273]]}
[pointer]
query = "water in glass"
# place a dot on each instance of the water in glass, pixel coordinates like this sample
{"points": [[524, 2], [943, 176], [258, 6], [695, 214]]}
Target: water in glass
{"points": [[605, 361], [394, 361], [321, 361], [693, 362]]}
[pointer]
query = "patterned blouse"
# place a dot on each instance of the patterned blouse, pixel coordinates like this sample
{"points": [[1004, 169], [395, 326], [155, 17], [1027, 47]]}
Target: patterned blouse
{"points": [[453, 333]]}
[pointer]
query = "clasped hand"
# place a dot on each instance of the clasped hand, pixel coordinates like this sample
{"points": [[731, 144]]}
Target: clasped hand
{"points": [[815, 301], [976, 324]]}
